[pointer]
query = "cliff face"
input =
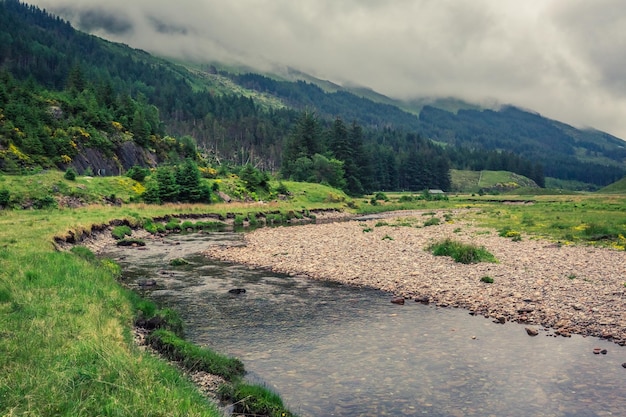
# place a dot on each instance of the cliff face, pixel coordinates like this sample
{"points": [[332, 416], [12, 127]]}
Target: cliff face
{"points": [[123, 158]]}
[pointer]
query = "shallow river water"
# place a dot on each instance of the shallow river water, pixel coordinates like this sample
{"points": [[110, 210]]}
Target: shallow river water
{"points": [[334, 350]]}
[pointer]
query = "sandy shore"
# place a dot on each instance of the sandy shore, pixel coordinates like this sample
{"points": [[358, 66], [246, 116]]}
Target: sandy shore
{"points": [[571, 289]]}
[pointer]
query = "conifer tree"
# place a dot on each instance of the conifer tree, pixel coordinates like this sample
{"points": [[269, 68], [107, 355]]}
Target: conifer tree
{"points": [[167, 186]]}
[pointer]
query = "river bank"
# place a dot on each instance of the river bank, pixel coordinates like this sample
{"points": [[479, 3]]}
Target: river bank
{"points": [[568, 289]]}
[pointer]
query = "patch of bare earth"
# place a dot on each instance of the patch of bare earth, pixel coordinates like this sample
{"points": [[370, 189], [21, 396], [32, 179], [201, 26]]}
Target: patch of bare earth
{"points": [[571, 289]]}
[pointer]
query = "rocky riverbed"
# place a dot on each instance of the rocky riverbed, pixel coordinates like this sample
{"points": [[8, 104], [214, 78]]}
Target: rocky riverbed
{"points": [[568, 289]]}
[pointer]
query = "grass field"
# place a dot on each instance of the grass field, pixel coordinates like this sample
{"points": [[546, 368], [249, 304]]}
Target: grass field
{"points": [[65, 331]]}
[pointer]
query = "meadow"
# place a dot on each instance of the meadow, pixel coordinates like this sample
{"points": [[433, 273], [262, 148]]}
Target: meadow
{"points": [[66, 342]]}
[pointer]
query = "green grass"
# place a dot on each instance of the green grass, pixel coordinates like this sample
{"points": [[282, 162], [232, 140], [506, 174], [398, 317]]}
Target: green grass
{"points": [[461, 252], [254, 400], [583, 219], [66, 347], [474, 181], [195, 358], [618, 187], [120, 232]]}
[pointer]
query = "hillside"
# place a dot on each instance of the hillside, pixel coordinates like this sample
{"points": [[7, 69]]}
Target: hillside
{"points": [[233, 116], [488, 181], [618, 187]]}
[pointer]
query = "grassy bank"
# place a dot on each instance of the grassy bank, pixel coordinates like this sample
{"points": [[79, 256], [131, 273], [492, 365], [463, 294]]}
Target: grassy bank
{"points": [[65, 331], [66, 346]]}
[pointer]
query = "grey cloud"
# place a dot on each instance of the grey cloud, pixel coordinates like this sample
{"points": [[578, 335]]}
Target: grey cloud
{"points": [[97, 19], [166, 28], [563, 58]]}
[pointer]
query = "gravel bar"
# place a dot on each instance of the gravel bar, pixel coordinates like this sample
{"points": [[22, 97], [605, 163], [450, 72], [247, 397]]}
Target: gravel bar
{"points": [[570, 289]]}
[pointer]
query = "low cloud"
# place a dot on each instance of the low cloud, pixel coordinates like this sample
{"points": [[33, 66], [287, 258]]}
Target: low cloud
{"points": [[562, 58]]}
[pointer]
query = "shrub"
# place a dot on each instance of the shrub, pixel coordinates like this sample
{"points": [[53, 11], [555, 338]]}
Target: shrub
{"points": [[173, 225], [120, 232], [188, 225], [138, 173], [239, 219], [433, 221], [379, 196], [149, 226], [487, 280], [45, 202], [5, 198], [194, 358], [252, 220], [282, 189], [70, 174], [178, 262], [508, 232], [461, 252]]}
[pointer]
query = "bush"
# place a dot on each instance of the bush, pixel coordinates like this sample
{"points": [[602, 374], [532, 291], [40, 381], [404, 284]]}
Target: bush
{"points": [[188, 225], [5, 198], [379, 196], [282, 189], [70, 174], [149, 226], [173, 225], [178, 262], [138, 173], [461, 252], [45, 202], [487, 280], [433, 221]]}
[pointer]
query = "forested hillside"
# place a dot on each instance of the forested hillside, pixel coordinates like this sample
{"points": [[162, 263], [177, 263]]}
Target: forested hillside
{"points": [[71, 99]]}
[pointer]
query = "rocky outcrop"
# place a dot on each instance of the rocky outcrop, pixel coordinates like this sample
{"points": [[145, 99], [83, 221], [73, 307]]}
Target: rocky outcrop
{"points": [[125, 156]]}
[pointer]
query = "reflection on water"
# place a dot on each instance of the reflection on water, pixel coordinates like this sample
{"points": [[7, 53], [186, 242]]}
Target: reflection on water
{"points": [[332, 350]]}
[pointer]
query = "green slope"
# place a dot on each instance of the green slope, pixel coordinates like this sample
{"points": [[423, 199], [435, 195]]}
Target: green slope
{"points": [[618, 187]]}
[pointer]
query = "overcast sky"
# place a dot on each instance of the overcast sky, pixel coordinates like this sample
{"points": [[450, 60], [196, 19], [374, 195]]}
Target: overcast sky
{"points": [[565, 59]]}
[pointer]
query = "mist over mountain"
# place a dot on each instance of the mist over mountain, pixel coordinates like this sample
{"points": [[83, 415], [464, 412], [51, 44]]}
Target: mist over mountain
{"points": [[236, 115], [561, 58]]}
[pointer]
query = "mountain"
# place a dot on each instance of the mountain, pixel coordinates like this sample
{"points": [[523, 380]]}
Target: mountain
{"points": [[234, 116], [565, 152]]}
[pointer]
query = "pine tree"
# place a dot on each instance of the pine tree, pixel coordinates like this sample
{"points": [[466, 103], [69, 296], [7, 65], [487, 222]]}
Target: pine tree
{"points": [[304, 141], [168, 189]]}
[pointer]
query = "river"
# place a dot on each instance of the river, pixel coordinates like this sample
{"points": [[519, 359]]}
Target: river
{"points": [[334, 350]]}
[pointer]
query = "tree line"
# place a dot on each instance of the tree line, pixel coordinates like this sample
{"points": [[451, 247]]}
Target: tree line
{"points": [[62, 90]]}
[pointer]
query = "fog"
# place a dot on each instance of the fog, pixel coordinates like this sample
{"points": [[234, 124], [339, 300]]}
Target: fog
{"points": [[561, 58]]}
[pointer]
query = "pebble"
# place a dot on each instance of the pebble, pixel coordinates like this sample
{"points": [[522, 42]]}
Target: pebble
{"points": [[532, 283]]}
